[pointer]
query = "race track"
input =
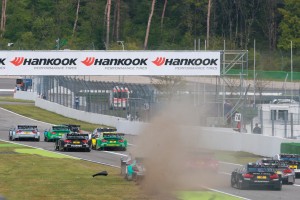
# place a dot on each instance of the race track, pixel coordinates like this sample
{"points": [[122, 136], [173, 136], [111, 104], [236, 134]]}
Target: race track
{"points": [[9, 119]]}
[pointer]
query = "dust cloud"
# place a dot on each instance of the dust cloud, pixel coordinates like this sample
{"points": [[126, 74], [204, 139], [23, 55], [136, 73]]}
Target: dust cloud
{"points": [[172, 153]]}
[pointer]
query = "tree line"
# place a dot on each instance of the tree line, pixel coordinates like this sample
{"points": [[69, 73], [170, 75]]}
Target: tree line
{"points": [[155, 25]]}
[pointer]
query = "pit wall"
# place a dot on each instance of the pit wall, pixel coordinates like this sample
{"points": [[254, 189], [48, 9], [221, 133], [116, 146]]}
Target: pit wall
{"points": [[210, 137]]}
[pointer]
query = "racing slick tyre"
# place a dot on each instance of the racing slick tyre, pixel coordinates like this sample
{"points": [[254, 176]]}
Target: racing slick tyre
{"points": [[278, 187], [232, 182], [10, 138], [240, 185], [46, 139], [56, 148], [38, 139], [88, 150]]}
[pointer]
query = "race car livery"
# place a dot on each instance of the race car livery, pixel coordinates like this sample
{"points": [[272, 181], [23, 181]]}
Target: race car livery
{"points": [[254, 174], [55, 132], [292, 160], [73, 141], [282, 169], [97, 133], [24, 132], [133, 169], [111, 140]]}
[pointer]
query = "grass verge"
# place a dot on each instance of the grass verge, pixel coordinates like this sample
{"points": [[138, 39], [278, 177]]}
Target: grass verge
{"points": [[11, 99], [36, 176], [34, 112], [238, 157]]}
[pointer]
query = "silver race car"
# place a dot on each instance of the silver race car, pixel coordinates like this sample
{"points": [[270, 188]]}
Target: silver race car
{"points": [[282, 169], [24, 132]]}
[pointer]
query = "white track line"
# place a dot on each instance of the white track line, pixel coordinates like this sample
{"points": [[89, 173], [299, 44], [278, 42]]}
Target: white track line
{"points": [[214, 190]]}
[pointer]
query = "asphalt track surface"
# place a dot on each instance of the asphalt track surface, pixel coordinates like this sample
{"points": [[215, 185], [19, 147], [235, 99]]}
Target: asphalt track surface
{"points": [[112, 158]]}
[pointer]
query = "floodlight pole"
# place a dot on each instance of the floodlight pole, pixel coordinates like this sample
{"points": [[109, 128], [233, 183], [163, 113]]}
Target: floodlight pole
{"points": [[254, 79], [292, 97]]}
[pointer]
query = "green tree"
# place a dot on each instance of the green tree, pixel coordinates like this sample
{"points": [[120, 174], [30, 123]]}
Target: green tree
{"points": [[290, 25]]}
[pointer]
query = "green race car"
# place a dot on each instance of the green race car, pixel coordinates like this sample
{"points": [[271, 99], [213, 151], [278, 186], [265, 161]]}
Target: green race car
{"points": [[55, 132], [111, 140]]}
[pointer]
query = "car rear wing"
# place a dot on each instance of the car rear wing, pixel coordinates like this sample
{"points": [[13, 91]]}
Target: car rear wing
{"points": [[77, 135], [106, 129], [27, 127], [73, 127], [60, 127], [113, 134]]}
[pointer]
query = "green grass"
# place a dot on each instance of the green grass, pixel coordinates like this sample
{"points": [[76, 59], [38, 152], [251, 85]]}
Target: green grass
{"points": [[34, 112], [32, 176], [12, 99], [238, 157]]}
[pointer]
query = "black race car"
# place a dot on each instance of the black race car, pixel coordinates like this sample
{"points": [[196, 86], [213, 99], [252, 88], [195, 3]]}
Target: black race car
{"points": [[73, 141], [254, 174]]}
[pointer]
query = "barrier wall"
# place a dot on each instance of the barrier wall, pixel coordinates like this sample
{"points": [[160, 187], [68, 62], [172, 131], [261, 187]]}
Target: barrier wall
{"points": [[210, 137], [25, 95]]}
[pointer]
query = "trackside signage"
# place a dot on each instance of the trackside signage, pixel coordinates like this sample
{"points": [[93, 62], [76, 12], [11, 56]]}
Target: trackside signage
{"points": [[179, 63]]}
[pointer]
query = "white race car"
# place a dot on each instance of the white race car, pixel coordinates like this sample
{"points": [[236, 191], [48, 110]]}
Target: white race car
{"points": [[24, 132]]}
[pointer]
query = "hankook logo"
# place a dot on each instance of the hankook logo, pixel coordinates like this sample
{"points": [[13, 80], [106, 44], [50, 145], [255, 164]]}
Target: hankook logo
{"points": [[159, 61], [88, 61], [17, 61]]}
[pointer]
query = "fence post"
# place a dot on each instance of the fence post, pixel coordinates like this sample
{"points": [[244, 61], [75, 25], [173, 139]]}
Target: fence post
{"points": [[292, 126], [273, 119], [261, 121], [285, 124]]}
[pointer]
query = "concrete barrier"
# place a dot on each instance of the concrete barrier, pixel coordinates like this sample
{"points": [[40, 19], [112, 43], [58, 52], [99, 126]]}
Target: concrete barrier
{"points": [[210, 137]]}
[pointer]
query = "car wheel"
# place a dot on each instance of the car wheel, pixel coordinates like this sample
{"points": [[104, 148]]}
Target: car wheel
{"points": [[88, 150], [38, 139], [124, 149], [278, 187], [10, 138], [240, 184], [46, 139], [232, 182], [56, 147]]}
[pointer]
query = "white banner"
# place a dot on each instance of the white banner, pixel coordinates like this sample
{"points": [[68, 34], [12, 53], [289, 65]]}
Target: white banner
{"points": [[178, 63]]}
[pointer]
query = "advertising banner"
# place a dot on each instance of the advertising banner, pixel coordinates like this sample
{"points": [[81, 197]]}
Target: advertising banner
{"points": [[177, 63]]}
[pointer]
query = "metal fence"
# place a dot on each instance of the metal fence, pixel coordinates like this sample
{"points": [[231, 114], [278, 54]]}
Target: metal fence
{"points": [[211, 104], [94, 96]]}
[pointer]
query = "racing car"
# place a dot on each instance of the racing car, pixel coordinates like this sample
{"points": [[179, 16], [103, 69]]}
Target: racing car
{"points": [[55, 132], [98, 132], [292, 160], [24, 132], [282, 169], [133, 169], [73, 141], [254, 174], [111, 140]]}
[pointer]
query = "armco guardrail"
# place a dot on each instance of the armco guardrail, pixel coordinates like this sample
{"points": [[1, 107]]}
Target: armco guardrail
{"points": [[210, 137]]}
